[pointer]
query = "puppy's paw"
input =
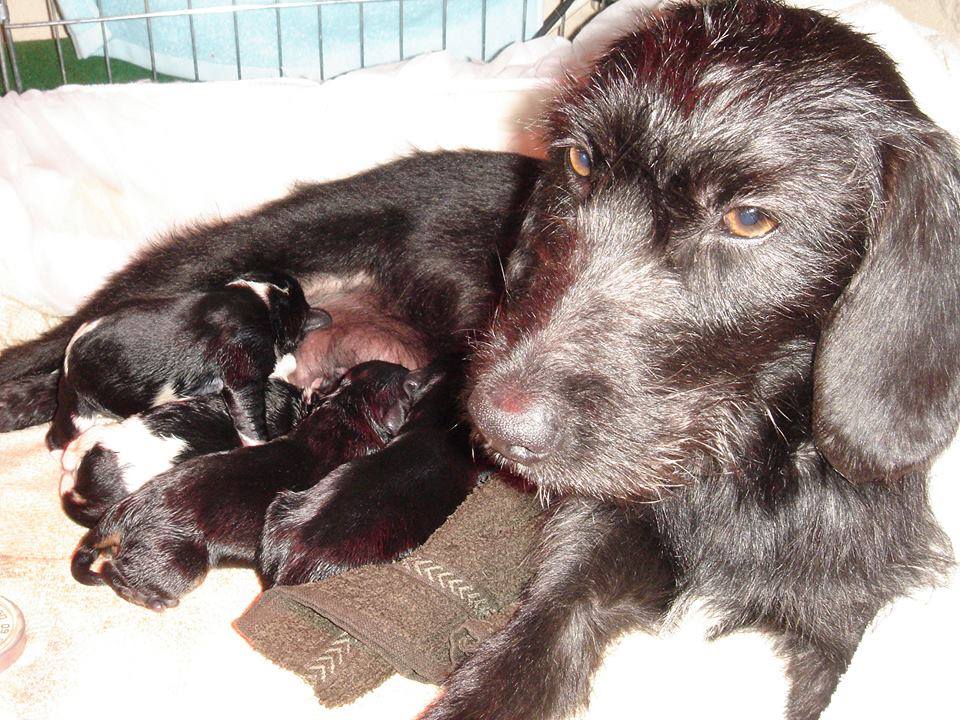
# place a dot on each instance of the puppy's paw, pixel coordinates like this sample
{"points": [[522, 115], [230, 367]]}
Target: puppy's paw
{"points": [[79, 446], [146, 560], [152, 568], [101, 564], [286, 556], [83, 494], [95, 486]]}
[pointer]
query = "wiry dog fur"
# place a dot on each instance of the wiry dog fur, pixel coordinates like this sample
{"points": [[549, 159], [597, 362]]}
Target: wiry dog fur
{"points": [[752, 417], [745, 420]]}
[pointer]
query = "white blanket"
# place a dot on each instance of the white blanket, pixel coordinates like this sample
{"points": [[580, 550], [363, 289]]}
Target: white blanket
{"points": [[90, 174]]}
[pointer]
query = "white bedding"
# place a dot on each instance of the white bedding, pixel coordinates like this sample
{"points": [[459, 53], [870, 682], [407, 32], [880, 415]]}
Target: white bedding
{"points": [[90, 174]]}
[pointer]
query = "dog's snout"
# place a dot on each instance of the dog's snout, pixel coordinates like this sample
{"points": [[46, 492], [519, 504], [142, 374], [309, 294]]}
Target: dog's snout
{"points": [[517, 425]]}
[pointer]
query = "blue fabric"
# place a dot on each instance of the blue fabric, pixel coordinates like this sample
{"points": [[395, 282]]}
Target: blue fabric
{"points": [[260, 52]]}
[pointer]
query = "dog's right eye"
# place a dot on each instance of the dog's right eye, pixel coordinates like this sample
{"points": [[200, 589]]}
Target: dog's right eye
{"points": [[749, 222], [579, 161]]}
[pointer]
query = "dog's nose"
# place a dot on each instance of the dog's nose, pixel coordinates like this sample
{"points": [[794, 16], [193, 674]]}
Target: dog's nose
{"points": [[516, 424]]}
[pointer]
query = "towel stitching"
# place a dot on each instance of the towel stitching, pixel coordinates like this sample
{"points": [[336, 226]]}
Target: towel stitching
{"points": [[332, 657], [441, 576]]}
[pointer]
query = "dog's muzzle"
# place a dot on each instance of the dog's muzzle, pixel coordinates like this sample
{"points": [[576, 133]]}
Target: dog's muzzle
{"points": [[517, 425]]}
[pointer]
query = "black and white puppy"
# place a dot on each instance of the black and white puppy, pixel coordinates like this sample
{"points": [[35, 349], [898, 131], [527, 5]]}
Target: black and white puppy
{"points": [[108, 462], [154, 350], [378, 507], [158, 543]]}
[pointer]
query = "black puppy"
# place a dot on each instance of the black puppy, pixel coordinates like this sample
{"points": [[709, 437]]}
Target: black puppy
{"points": [[108, 462], [154, 350], [158, 543], [379, 507]]}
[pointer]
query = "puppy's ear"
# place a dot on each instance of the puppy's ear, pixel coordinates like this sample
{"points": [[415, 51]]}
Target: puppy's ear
{"points": [[887, 370]]}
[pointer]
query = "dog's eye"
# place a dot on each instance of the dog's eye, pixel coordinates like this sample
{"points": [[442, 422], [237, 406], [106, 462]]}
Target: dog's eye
{"points": [[579, 160], [749, 222]]}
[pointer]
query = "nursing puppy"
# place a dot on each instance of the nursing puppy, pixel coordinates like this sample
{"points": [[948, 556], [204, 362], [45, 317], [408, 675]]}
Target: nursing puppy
{"points": [[727, 350], [108, 462], [154, 350], [158, 543], [415, 483]]}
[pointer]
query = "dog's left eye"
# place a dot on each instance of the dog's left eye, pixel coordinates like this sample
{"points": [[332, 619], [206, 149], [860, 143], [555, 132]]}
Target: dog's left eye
{"points": [[749, 222], [579, 161]]}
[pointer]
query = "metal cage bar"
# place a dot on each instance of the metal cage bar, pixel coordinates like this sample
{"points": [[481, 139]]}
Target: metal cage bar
{"points": [[153, 54], [10, 75], [55, 36]]}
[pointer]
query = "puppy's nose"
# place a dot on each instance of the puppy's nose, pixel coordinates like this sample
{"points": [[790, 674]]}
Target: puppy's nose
{"points": [[317, 319], [516, 424]]}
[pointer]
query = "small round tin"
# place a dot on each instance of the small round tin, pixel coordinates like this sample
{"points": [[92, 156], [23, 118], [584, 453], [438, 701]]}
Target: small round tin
{"points": [[12, 633]]}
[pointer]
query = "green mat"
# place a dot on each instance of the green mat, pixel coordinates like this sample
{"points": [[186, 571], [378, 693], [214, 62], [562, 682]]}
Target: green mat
{"points": [[40, 69]]}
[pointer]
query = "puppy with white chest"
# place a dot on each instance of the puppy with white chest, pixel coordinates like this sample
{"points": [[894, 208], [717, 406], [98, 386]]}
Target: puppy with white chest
{"points": [[108, 462], [152, 351]]}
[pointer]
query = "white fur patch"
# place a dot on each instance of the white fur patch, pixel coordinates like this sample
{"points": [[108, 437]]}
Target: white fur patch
{"points": [[81, 331], [141, 455], [166, 394], [286, 366], [248, 441], [260, 288]]}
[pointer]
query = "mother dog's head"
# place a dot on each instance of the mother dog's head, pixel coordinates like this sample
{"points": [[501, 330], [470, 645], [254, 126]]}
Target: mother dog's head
{"points": [[746, 244]]}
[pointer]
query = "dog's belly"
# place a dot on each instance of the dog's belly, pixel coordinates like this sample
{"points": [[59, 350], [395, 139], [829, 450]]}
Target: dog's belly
{"points": [[361, 330]]}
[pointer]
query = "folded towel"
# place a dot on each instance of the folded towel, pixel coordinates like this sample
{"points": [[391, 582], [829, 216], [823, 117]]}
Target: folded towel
{"points": [[420, 616]]}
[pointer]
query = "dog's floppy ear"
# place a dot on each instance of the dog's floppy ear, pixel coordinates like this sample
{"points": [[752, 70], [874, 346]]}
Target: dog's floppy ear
{"points": [[887, 370]]}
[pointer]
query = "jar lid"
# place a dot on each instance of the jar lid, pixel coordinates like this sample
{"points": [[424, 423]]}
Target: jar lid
{"points": [[12, 635]]}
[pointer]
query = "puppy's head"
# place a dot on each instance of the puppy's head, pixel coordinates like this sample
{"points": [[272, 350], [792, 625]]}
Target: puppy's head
{"points": [[290, 315], [376, 396], [747, 233]]}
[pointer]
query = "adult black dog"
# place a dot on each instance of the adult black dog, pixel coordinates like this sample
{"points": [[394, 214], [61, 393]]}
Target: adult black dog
{"points": [[727, 347]]}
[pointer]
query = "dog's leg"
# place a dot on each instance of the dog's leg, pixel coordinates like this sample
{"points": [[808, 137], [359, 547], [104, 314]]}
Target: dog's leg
{"points": [[28, 400], [41, 356], [815, 670], [589, 586], [246, 404]]}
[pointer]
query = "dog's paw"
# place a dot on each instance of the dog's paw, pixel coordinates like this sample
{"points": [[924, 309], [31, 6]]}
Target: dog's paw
{"points": [[152, 569], [73, 454], [94, 487], [101, 565], [291, 553]]}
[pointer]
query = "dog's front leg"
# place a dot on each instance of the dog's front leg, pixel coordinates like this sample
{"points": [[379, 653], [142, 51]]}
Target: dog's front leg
{"points": [[600, 571], [815, 667]]}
